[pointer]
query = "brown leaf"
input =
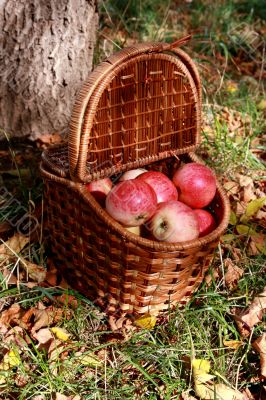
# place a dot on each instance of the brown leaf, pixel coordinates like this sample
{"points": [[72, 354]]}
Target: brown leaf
{"points": [[21, 379], [56, 354], [5, 227], [231, 187], [249, 193], [240, 208], [59, 396], [211, 277], [260, 346], [9, 278], [244, 180], [10, 317], [46, 317], [248, 395], [233, 273], [253, 315], [67, 300], [16, 243], [27, 317], [232, 344], [236, 253], [43, 336], [35, 272], [258, 244], [50, 138], [187, 396], [16, 336], [51, 278]]}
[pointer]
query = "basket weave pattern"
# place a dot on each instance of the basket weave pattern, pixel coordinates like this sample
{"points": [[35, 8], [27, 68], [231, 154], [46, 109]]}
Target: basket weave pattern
{"points": [[139, 108]]}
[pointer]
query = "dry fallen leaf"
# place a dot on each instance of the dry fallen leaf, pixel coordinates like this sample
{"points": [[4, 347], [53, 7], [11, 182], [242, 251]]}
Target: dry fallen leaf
{"points": [[10, 360], [248, 395], [146, 321], [60, 333], [210, 391], [46, 317], [59, 396], [49, 138], [5, 228], [16, 336], [257, 245], [90, 360], [233, 344], [231, 187], [35, 272], [262, 105], [14, 245], [56, 354], [233, 273], [244, 180], [253, 315], [231, 86], [249, 194], [67, 300], [43, 336], [9, 277], [10, 317], [187, 396], [252, 208], [211, 277], [260, 346]]}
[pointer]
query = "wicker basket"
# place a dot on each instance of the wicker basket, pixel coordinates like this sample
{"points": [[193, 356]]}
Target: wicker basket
{"points": [[141, 107]]}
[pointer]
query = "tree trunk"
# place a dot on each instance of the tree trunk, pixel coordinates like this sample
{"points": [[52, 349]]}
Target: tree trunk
{"points": [[47, 50]]}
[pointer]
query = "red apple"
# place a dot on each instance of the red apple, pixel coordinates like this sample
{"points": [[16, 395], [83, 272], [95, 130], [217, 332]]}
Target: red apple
{"points": [[100, 188], [164, 188], [132, 174], [196, 185], [174, 222], [131, 202], [206, 222]]}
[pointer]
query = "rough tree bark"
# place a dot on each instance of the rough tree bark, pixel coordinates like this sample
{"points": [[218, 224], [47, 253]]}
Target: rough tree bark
{"points": [[47, 49]]}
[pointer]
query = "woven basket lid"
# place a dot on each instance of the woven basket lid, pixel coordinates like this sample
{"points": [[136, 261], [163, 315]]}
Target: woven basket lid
{"points": [[140, 105]]}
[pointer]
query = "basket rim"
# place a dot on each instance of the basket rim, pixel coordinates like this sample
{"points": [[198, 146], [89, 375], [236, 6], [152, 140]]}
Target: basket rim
{"points": [[138, 240]]}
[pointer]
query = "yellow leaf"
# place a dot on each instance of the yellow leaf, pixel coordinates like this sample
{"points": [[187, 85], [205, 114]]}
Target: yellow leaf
{"points": [[200, 369], [146, 321], [60, 333], [10, 360], [232, 344], [2, 378], [228, 237], [201, 365], [253, 207], [231, 87], [233, 218], [262, 105], [90, 360], [245, 230]]}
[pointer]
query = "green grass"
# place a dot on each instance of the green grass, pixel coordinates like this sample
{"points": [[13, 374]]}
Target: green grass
{"points": [[149, 363], [156, 364]]}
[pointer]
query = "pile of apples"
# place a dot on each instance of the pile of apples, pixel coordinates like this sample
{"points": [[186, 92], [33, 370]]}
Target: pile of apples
{"points": [[169, 210]]}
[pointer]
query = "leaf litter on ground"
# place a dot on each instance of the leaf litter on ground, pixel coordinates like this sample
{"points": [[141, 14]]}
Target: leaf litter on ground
{"points": [[251, 316]]}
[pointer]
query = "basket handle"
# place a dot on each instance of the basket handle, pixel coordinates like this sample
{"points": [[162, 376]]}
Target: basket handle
{"points": [[169, 46], [89, 96]]}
